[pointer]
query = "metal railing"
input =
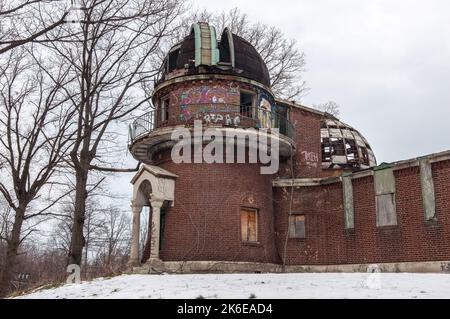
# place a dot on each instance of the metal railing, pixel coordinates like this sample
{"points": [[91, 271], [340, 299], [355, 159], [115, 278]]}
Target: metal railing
{"points": [[216, 114]]}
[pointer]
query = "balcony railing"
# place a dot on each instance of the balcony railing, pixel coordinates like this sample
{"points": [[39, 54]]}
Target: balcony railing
{"points": [[215, 114]]}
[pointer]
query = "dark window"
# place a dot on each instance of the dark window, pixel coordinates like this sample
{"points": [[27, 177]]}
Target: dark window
{"points": [[173, 57], [297, 227], [164, 112], [247, 104], [249, 225]]}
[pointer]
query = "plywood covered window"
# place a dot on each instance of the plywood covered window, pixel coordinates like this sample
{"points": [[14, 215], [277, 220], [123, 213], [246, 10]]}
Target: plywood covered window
{"points": [[249, 225], [385, 197], [297, 227]]}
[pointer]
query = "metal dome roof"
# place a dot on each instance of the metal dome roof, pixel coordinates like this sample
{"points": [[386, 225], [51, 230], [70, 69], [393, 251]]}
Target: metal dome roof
{"points": [[201, 48]]}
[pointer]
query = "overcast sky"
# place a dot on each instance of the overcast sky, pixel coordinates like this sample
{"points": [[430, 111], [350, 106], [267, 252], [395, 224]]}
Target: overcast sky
{"points": [[386, 63]]}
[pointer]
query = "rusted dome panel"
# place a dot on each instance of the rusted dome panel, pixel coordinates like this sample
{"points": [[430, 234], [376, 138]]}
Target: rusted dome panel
{"points": [[250, 61], [201, 52], [343, 147]]}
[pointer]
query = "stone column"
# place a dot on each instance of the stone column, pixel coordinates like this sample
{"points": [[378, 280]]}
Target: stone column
{"points": [[156, 204], [135, 231]]}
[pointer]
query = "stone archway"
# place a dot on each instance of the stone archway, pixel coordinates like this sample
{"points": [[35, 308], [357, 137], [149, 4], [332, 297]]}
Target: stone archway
{"points": [[152, 186]]}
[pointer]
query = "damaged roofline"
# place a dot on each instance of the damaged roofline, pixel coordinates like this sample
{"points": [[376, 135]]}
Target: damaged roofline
{"points": [[399, 165], [302, 107]]}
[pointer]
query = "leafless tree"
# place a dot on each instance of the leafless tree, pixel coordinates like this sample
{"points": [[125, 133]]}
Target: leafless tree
{"points": [[26, 21], [34, 138], [329, 107], [285, 61], [113, 55], [114, 237]]}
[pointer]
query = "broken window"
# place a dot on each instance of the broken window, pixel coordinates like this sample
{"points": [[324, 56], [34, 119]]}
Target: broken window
{"points": [[246, 103], [337, 145], [249, 225], [352, 150], [326, 150], [365, 156], [164, 112], [297, 227], [384, 181]]}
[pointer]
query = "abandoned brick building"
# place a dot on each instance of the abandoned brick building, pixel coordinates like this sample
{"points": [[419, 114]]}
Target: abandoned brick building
{"points": [[329, 206]]}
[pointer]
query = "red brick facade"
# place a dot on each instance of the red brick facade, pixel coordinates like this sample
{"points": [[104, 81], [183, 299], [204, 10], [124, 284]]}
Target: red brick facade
{"points": [[327, 241], [204, 223]]}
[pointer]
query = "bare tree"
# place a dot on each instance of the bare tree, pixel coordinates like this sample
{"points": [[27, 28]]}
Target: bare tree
{"points": [[285, 61], [114, 237], [26, 21], [114, 58], [34, 139], [329, 107]]}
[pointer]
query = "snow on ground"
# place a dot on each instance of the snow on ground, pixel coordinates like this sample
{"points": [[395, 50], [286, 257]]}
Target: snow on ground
{"points": [[242, 286]]}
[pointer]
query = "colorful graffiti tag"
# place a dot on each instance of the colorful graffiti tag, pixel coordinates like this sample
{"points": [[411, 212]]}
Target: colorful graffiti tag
{"points": [[199, 95]]}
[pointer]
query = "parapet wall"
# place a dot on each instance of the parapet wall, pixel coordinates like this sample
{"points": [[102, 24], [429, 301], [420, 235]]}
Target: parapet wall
{"points": [[348, 228]]}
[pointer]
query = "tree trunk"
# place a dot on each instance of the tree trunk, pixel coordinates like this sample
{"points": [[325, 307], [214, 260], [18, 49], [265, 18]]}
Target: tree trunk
{"points": [[7, 272], [79, 215]]}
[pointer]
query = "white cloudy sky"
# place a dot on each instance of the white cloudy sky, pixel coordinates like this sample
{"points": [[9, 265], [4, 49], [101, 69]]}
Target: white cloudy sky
{"points": [[386, 62]]}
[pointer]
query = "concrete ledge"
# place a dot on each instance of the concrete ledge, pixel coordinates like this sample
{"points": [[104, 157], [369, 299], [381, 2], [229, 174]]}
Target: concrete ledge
{"points": [[225, 267], [409, 267]]}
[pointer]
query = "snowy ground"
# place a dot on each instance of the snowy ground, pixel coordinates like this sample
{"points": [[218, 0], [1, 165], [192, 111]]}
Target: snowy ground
{"points": [[306, 285]]}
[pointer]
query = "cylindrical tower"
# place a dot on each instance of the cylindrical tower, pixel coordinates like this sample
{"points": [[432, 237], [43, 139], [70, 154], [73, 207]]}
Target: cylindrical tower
{"points": [[220, 211]]}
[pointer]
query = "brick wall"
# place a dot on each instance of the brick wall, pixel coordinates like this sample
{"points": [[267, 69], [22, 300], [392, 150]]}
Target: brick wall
{"points": [[308, 155], [199, 97], [328, 242], [204, 223]]}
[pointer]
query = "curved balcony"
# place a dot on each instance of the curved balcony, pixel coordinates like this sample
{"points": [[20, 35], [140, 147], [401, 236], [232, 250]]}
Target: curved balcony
{"points": [[216, 115]]}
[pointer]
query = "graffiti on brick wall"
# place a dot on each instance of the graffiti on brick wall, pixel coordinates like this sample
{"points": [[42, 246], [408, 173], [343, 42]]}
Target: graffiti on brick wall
{"points": [[192, 101], [209, 94], [311, 158], [445, 267], [211, 114], [225, 119]]}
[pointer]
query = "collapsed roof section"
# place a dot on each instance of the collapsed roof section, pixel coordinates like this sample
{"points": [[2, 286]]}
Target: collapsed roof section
{"points": [[343, 147]]}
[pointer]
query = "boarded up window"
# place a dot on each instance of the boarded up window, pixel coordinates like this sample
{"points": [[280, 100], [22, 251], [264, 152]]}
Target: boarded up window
{"points": [[249, 225], [297, 226], [385, 197], [386, 215]]}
